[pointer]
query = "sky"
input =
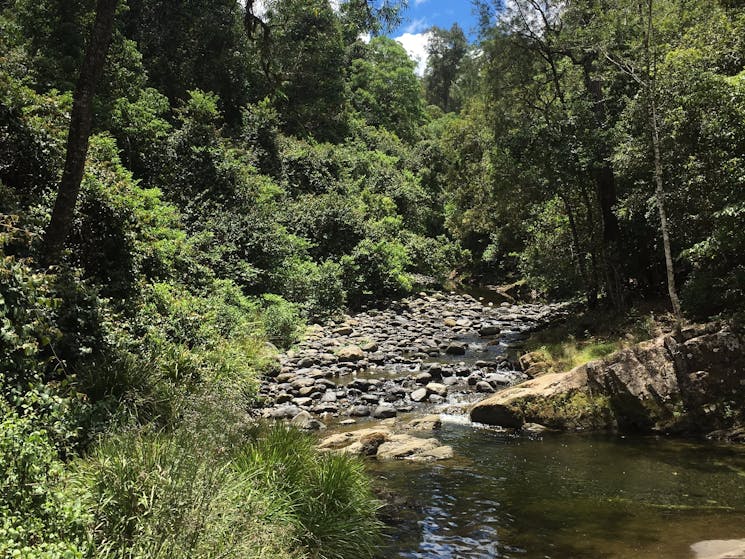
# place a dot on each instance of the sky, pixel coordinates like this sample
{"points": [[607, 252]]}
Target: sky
{"points": [[423, 14]]}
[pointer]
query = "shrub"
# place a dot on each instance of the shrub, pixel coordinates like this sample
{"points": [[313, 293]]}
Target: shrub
{"points": [[282, 320], [40, 515], [327, 498], [317, 289], [177, 497], [376, 269]]}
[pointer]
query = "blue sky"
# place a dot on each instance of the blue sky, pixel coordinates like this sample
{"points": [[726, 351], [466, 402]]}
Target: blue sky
{"points": [[423, 14]]}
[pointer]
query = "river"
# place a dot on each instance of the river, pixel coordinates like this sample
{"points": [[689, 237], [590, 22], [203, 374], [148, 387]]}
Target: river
{"points": [[565, 496]]}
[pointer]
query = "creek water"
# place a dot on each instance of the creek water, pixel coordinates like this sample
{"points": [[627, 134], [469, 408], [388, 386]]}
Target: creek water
{"points": [[565, 496]]}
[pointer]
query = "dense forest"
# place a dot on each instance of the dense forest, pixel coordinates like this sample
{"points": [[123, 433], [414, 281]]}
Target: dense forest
{"points": [[185, 185]]}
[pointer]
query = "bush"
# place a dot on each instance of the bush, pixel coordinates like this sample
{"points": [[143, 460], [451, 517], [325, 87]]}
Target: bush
{"points": [[177, 497], [376, 269], [40, 515], [282, 321], [327, 498], [317, 289]]}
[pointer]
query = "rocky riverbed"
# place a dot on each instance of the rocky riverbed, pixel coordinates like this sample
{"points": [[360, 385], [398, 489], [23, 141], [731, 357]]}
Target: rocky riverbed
{"points": [[431, 351]]}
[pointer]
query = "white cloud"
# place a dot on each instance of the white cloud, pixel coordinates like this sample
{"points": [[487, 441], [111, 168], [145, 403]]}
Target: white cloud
{"points": [[416, 46], [416, 26], [419, 2]]}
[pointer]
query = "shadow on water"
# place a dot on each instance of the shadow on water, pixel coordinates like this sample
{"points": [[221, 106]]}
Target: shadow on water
{"points": [[566, 497]]}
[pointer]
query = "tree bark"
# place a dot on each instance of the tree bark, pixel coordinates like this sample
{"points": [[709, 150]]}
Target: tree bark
{"points": [[660, 200], [658, 177], [81, 122]]}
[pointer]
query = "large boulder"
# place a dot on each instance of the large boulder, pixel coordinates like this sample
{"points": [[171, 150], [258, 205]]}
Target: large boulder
{"points": [[693, 383], [350, 354]]}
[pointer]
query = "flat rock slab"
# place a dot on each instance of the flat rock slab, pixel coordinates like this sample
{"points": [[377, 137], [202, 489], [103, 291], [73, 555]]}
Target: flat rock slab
{"points": [[719, 549]]}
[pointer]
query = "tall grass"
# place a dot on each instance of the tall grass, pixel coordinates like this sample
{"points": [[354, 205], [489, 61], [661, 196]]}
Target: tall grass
{"points": [[590, 336], [327, 497], [257, 494]]}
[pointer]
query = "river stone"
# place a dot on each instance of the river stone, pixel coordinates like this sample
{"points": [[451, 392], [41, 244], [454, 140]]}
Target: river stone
{"points": [[284, 412], [402, 446], [283, 398], [350, 354], [422, 378], [359, 411], [439, 453], [425, 423], [484, 387], [419, 395], [535, 428], [437, 388], [489, 331], [455, 348], [304, 420], [719, 549], [450, 322], [384, 411], [344, 331], [329, 396], [370, 347], [371, 442]]}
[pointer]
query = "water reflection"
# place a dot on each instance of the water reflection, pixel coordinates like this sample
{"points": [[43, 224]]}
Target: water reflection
{"points": [[567, 496]]}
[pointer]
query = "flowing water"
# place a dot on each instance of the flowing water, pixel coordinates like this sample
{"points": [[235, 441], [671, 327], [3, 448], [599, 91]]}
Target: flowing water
{"points": [[566, 496]]}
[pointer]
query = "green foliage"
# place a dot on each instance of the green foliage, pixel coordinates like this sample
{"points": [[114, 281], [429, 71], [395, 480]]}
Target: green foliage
{"points": [[281, 320], [331, 508], [177, 496], [376, 269], [126, 233], [307, 55], [41, 516], [385, 89]]}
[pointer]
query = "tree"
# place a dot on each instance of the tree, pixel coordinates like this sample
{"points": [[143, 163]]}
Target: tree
{"points": [[385, 89], [445, 50], [307, 73], [81, 122]]}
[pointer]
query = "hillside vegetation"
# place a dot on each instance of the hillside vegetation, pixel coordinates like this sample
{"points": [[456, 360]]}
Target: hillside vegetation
{"points": [[249, 171]]}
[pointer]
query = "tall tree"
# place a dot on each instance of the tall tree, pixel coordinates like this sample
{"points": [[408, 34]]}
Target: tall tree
{"points": [[81, 122], [385, 89], [446, 50]]}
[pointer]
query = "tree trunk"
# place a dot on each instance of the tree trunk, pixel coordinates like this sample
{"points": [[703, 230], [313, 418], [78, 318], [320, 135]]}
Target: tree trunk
{"points": [[651, 86], [605, 185], [81, 122], [660, 200]]}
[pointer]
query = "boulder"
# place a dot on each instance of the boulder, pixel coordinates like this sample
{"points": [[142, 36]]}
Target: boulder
{"points": [[418, 395], [384, 411], [350, 354], [455, 348], [690, 384], [403, 446], [424, 423], [440, 453]]}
